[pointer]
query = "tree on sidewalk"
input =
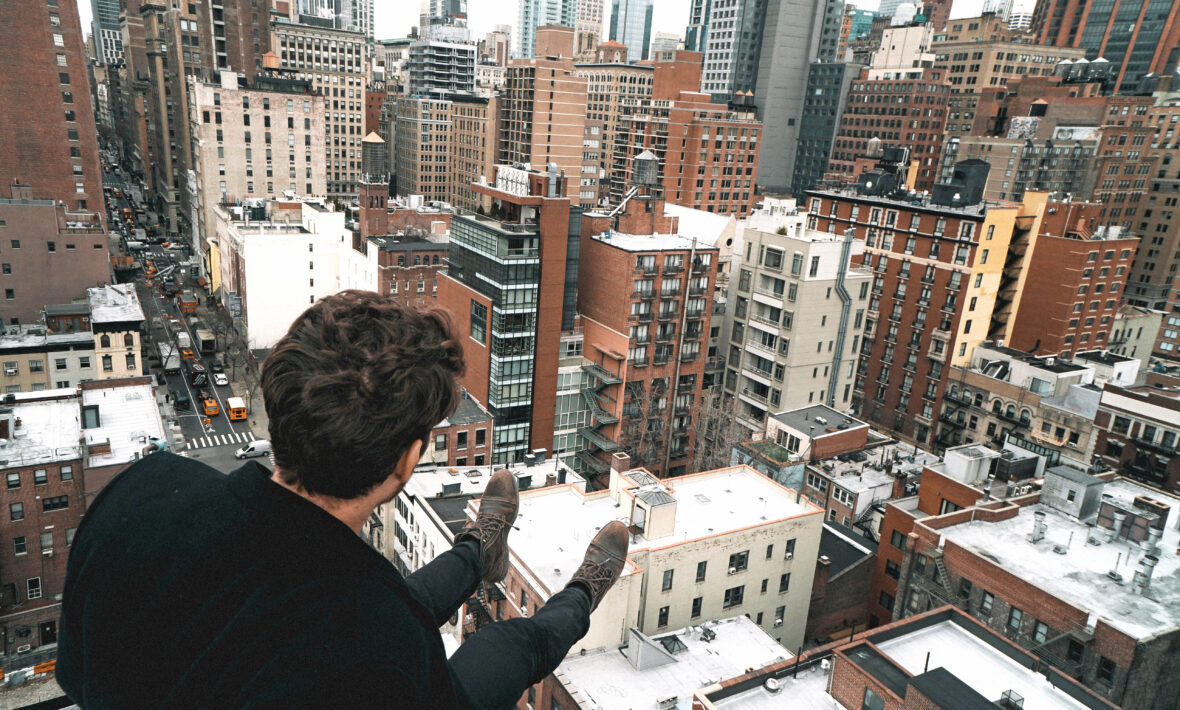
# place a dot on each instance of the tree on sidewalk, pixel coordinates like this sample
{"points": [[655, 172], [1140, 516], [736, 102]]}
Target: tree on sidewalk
{"points": [[717, 430]]}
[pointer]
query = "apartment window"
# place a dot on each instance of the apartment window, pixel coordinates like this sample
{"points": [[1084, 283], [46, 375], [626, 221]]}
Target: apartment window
{"points": [[985, 604], [667, 583], [886, 600], [734, 596], [784, 582], [14, 480], [33, 587], [461, 440], [739, 561], [1015, 617], [107, 363], [67, 473], [663, 619], [1040, 632], [814, 270], [19, 545], [696, 606], [1106, 669], [16, 511], [701, 566], [40, 477], [897, 540], [769, 551], [872, 701], [479, 321], [892, 569], [47, 541], [55, 503]]}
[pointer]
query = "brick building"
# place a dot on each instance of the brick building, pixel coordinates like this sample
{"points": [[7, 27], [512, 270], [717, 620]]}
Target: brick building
{"points": [[645, 309], [941, 282], [707, 153], [409, 265], [1078, 574], [612, 86], [1075, 272], [942, 659], [877, 108], [462, 439], [50, 253], [1138, 430], [1157, 265], [543, 111], [840, 589], [48, 136], [507, 289]]}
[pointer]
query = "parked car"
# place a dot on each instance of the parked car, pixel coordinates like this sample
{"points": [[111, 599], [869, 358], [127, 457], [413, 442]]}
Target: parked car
{"points": [[215, 365], [181, 399], [258, 447], [220, 379]]}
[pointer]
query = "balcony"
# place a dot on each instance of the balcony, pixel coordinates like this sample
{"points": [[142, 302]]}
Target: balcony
{"points": [[695, 313], [690, 357], [659, 360], [669, 270], [668, 316], [642, 317], [643, 295], [647, 270], [1154, 446], [697, 290], [670, 293], [747, 392], [699, 268]]}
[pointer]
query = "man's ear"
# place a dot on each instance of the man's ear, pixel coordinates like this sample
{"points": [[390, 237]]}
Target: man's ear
{"points": [[405, 465]]}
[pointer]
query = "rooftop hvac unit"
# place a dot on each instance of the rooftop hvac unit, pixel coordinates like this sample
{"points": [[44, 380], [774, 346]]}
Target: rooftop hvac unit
{"points": [[667, 703]]}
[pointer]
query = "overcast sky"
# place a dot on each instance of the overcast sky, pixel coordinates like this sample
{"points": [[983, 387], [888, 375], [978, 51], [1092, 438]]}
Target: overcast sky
{"points": [[396, 17]]}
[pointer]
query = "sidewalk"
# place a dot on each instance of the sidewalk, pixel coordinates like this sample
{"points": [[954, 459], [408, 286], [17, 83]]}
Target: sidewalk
{"points": [[259, 423]]}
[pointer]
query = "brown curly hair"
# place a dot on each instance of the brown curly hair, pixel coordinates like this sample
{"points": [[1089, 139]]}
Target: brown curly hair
{"points": [[353, 384]]}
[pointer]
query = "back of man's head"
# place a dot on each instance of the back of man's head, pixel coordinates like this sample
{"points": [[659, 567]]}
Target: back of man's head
{"points": [[352, 385]]}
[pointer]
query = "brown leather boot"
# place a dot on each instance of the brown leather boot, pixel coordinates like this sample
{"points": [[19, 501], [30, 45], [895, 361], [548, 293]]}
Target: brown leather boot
{"points": [[497, 513], [604, 561]]}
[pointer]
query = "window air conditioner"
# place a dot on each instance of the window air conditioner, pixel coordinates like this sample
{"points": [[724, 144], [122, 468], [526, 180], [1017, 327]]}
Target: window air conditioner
{"points": [[778, 622], [733, 570], [789, 556], [47, 553]]}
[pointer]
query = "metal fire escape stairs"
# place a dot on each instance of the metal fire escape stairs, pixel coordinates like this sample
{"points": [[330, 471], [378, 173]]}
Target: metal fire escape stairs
{"points": [[599, 379]]}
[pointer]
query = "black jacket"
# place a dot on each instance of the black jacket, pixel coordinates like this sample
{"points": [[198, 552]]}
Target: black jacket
{"points": [[188, 588]]}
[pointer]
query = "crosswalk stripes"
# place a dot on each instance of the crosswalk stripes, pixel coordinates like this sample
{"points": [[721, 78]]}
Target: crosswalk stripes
{"points": [[212, 440]]}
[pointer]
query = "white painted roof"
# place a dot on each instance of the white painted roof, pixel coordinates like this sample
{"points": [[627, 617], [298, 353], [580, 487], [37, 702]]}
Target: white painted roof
{"points": [[605, 679], [427, 482], [705, 226], [707, 504], [979, 665], [806, 690], [48, 431], [129, 416], [648, 242], [1079, 576], [114, 304]]}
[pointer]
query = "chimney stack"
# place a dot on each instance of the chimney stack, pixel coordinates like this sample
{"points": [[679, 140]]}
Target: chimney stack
{"points": [[1119, 517], [1039, 526], [1142, 579]]}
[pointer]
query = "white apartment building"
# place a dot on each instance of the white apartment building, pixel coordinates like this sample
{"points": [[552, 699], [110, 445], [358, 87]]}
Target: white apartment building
{"points": [[116, 320], [797, 309], [704, 546], [277, 257], [336, 64], [255, 141]]}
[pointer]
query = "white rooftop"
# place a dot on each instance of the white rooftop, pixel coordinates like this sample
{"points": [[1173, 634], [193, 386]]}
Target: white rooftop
{"points": [[606, 679], [114, 304], [428, 482], [129, 416], [808, 689], [1079, 577], [647, 242], [707, 227], [869, 472], [978, 664], [35, 336], [707, 504], [49, 430]]}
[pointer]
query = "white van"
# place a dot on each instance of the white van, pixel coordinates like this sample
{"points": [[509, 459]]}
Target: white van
{"points": [[258, 447]]}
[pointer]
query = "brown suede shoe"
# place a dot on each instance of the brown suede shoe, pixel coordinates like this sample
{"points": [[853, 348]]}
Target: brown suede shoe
{"points": [[605, 557], [497, 513]]}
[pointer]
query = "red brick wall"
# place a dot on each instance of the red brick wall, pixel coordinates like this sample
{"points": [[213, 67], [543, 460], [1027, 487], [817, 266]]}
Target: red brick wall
{"points": [[470, 451], [838, 442], [33, 121], [456, 299], [936, 488], [841, 604], [850, 680], [554, 232]]}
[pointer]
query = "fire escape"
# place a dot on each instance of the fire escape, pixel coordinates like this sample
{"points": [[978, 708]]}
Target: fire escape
{"points": [[597, 440]]}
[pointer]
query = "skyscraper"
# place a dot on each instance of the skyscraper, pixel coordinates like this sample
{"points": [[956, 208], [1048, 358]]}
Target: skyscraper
{"points": [[795, 32], [732, 45], [108, 38], [538, 13], [1136, 36], [630, 23]]}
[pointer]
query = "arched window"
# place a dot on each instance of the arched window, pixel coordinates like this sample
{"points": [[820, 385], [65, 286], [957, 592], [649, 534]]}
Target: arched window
{"points": [[129, 340], [1025, 416], [997, 407], [104, 341], [1011, 411]]}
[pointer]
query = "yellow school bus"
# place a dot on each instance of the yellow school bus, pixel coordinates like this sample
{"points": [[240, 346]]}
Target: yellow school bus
{"points": [[236, 406]]}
